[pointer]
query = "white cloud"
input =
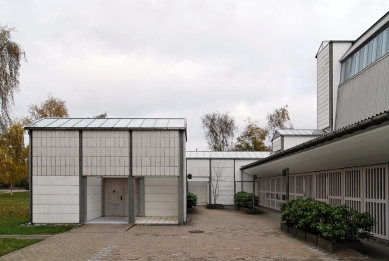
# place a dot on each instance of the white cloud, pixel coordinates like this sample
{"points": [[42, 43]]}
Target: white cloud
{"points": [[180, 58]]}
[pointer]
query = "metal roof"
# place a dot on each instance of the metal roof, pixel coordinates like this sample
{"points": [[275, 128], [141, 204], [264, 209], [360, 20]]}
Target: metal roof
{"points": [[109, 123], [227, 154], [298, 132], [362, 126]]}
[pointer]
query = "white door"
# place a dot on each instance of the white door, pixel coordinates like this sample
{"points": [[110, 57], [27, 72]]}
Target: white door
{"points": [[200, 189]]}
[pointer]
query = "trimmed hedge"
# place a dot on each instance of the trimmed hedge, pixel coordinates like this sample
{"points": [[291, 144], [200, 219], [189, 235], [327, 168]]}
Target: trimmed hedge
{"points": [[245, 199], [191, 200], [338, 224]]}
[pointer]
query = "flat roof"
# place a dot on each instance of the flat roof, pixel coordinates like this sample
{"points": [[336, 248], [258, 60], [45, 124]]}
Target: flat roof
{"points": [[227, 154], [108, 124], [298, 132]]}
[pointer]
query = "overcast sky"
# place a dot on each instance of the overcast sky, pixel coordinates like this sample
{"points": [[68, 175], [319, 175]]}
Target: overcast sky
{"points": [[180, 58]]}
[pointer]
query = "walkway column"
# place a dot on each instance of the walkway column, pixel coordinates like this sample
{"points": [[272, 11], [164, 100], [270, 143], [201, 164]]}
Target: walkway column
{"points": [[30, 172], [285, 172], [210, 183], [254, 178], [131, 187], [181, 180]]}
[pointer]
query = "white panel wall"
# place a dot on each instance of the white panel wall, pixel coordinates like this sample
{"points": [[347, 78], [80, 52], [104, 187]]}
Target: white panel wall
{"points": [[248, 187], [55, 199], [161, 196], [200, 188], [200, 170], [338, 50], [291, 141], [106, 153], [93, 197], [55, 153], [277, 144], [198, 167], [226, 182], [248, 179], [323, 82], [155, 153]]}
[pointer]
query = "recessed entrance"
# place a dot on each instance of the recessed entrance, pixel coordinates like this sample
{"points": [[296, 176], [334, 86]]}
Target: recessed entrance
{"points": [[116, 197]]}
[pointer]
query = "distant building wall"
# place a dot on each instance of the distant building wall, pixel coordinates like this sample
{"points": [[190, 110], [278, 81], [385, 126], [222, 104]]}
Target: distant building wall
{"points": [[323, 88]]}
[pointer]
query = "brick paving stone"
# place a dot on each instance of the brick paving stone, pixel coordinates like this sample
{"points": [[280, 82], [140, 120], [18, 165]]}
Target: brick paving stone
{"points": [[227, 235]]}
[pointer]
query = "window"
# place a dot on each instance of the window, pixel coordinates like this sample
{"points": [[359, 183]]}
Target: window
{"points": [[379, 46], [366, 55], [361, 58]]}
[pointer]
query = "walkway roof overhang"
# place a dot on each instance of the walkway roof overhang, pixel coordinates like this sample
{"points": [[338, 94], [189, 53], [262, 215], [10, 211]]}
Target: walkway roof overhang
{"points": [[363, 143]]}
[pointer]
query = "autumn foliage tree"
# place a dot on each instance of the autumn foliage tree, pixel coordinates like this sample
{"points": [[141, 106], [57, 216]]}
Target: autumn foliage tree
{"points": [[219, 131], [252, 138], [278, 120], [52, 107], [13, 155], [11, 54]]}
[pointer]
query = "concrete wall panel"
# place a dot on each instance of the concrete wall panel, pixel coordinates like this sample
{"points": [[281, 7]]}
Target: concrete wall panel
{"points": [[161, 200], [55, 199], [93, 197]]}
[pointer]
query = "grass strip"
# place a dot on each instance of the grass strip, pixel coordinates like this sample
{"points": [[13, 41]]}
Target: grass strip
{"points": [[14, 211], [8, 245]]}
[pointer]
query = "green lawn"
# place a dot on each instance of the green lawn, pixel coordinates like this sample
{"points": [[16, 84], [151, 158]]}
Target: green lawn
{"points": [[8, 245], [14, 212]]}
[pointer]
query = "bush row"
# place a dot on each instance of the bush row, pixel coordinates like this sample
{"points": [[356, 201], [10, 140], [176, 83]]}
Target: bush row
{"points": [[336, 223], [245, 199]]}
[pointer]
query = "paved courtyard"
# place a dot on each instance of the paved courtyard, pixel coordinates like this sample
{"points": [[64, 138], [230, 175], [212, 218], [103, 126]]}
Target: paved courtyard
{"points": [[214, 234]]}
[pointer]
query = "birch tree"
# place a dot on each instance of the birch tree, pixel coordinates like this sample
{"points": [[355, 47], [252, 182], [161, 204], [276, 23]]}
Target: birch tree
{"points": [[279, 119], [11, 55], [219, 131]]}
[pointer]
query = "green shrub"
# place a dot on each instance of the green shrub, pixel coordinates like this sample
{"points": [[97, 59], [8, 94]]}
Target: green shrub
{"points": [[337, 224], [245, 199], [191, 200]]}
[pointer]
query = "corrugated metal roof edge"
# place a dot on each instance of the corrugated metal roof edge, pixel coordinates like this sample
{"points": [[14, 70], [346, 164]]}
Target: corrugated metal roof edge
{"points": [[300, 134], [338, 134], [204, 157], [109, 128]]}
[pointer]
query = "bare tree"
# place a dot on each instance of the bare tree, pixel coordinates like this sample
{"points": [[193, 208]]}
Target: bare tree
{"points": [[219, 131], [103, 115], [11, 54], [252, 138], [216, 178], [278, 119]]}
